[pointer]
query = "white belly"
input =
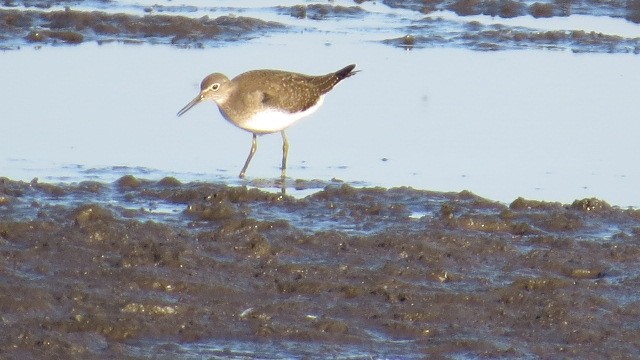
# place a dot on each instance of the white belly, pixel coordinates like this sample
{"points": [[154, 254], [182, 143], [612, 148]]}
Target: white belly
{"points": [[274, 120]]}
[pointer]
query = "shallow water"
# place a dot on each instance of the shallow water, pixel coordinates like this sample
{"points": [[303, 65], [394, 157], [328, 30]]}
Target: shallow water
{"points": [[549, 125], [543, 125], [184, 260]]}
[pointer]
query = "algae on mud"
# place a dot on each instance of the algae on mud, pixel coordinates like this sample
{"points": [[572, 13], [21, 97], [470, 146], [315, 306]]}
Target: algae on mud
{"points": [[185, 26], [73, 26], [96, 270]]}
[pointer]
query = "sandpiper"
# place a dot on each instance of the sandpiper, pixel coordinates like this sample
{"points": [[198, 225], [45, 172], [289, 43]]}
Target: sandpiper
{"points": [[267, 101]]}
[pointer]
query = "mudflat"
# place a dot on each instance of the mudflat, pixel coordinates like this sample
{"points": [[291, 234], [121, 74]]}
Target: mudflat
{"points": [[164, 269]]}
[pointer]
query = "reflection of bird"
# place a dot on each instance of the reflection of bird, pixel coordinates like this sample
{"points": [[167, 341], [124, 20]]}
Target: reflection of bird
{"points": [[267, 101]]}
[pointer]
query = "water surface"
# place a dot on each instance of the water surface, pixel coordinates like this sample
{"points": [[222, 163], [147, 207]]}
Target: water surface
{"points": [[549, 125]]}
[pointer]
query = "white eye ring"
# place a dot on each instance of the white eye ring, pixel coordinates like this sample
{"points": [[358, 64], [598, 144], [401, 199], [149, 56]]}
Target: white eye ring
{"points": [[215, 86]]}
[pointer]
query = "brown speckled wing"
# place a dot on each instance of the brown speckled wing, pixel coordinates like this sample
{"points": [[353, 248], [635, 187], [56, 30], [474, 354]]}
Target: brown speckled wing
{"points": [[288, 91], [291, 92]]}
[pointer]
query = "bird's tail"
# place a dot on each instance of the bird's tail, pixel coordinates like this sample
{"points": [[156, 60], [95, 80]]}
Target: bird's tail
{"points": [[345, 72]]}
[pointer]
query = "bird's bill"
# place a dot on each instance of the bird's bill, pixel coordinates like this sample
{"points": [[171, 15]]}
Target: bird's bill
{"points": [[193, 103]]}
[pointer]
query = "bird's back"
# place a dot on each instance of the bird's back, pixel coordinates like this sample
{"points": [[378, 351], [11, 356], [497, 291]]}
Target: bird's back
{"points": [[276, 91], [288, 91]]}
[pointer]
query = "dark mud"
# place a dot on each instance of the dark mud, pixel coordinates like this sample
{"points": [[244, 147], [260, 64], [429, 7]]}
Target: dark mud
{"points": [[477, 36], [321, 11], [629, 10], [34, 22], [73, 27], [162, 269]]}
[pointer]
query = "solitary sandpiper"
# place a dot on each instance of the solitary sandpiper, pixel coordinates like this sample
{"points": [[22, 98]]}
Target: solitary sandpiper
{"points": [[267, 101]]}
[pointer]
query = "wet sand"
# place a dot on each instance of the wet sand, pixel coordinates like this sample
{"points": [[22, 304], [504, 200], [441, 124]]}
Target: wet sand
{"points": [[162, 269]]}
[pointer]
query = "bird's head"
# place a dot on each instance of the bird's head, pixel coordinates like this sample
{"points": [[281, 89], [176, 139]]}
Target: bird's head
{"points": [[213, 87]]}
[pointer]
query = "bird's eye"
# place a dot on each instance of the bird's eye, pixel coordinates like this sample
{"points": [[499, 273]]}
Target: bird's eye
{"points": [[215, 86]]}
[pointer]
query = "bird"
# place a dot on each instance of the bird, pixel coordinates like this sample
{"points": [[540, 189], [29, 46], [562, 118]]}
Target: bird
{"points": [[267, 101]]}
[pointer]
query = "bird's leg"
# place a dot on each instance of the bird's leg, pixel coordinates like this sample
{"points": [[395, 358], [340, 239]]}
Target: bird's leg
{"points": [[254, 146], [285, 151]]}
